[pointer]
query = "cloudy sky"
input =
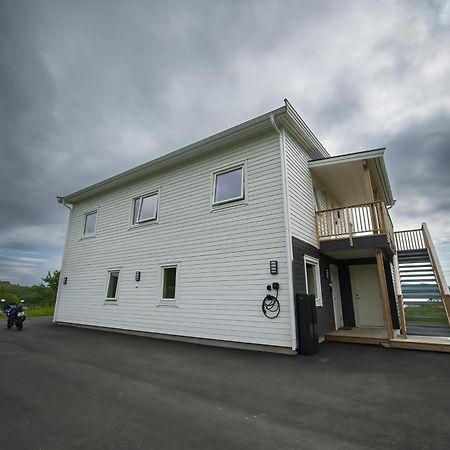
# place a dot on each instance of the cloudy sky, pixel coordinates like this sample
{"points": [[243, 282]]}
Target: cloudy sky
{"points": [[91, 88]]}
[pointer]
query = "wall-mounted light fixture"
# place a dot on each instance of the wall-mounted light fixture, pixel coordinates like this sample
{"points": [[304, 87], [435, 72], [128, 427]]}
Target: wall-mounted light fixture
{"points": [[273, 267], [65, 280]]}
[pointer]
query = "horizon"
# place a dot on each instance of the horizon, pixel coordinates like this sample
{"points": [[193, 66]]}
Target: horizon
{"points": [[91, 91]]}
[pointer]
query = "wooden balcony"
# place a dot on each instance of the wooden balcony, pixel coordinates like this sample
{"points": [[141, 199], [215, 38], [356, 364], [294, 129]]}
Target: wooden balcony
{"points": [[350, 222]]}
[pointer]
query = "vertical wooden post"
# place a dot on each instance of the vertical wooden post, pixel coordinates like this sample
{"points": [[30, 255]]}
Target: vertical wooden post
{"points": [[371, 197], [401, 307], [318, 217], [349, 227], [384, 295]]}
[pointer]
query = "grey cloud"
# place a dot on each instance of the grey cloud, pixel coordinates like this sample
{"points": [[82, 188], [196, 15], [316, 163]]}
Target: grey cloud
{"points": [[91, 88]]}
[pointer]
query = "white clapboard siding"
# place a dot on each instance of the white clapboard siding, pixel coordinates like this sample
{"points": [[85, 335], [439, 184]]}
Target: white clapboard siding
{"points": [[300, 191], [321, 199], [222, 253]]}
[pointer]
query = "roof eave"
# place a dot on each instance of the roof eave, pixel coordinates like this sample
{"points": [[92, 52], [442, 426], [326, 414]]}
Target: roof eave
{"points": [[348, 157], [286, 114], [377, 155], [238, 131]]}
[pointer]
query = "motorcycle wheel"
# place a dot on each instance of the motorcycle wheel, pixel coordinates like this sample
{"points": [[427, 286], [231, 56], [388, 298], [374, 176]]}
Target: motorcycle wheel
{"points": [[19, 325]]}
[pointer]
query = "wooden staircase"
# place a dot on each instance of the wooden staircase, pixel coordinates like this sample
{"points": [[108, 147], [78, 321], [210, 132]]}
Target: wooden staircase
{"points": [[423, 286]]}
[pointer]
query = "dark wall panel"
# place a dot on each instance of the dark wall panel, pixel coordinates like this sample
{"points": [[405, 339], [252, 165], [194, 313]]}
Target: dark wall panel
{"points": [[325, 313]]}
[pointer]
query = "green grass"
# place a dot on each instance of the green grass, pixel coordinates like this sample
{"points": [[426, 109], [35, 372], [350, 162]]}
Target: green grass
{"points": [[34, 311], [427, 319], [42, 311]]}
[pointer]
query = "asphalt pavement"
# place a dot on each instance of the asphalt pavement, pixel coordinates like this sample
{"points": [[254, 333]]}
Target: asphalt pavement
{"points": [[70, 388]]}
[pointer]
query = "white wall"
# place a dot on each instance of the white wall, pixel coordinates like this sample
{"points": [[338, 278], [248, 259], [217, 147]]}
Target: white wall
{"points": [[223, 255], [301, 194]]}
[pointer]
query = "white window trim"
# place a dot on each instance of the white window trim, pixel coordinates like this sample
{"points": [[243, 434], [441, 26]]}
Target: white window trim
{"points": [[116, 298], [314, 262], [168, 301], [83, 224], [230, 168], [141, 223]]}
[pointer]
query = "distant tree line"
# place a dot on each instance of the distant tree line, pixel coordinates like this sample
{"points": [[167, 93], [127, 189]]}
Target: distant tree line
{"points": [[43, 294]]}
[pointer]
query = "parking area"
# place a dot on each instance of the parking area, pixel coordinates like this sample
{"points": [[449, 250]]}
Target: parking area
{"points": [[71, 388]]}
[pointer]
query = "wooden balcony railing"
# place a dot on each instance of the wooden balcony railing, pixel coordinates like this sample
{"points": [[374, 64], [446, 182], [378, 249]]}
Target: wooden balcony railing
{"points": [[410, 240], [353, 221]]}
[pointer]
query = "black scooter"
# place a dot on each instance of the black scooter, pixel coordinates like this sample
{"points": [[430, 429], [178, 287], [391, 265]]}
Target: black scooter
{"points": [[15, 315]]}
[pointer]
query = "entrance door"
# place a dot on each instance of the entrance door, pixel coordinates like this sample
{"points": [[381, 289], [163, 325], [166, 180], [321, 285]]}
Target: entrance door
{"points": [[366, 296], [336, 291]]}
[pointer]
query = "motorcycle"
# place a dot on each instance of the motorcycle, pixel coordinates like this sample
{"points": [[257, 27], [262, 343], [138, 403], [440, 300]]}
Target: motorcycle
{"points": [[15, 315]]}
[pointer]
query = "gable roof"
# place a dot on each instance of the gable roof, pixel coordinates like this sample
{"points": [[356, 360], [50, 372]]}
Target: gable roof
{"points": [[285, 116]]}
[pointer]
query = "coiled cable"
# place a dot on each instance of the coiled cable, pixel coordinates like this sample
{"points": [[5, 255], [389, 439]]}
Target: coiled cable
{"points": [[271, 306]]}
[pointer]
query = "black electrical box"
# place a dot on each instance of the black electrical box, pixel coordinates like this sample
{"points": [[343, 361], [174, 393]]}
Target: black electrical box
{"points": [[306, 316], [137, 276]]}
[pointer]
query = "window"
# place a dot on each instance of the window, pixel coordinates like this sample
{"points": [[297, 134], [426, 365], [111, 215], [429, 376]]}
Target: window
{"points": [[312, 274], [169, 281], [229, 185], [113, 281], [145, 208], [90, 223]]}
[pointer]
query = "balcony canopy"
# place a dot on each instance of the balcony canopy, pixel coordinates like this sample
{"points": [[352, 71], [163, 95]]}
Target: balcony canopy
{"points": [[354, 178]]}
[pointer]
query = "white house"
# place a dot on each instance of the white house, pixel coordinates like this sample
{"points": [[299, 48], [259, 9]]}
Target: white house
{"points": [[183, 247]]}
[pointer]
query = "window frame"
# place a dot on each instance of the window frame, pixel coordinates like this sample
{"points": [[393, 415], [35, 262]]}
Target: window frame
{"points": [[83, 227], [139, 197], [108, 279], [316, 264], [168, 301], [223, 170]]}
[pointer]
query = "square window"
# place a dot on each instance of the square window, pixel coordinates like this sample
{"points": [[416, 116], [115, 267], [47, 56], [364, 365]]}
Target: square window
{"points": [[90, 223], [229, 185], [145, 208], [169, 280], [113, 281], [312, 274]]}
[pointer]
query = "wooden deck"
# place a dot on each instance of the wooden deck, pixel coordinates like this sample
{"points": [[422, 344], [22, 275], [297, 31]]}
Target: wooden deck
{"points": [[363, 335], [427, 343], [379, 336]]}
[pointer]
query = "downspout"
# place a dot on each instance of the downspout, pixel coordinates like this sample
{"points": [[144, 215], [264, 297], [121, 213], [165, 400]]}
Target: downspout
{"points": [[69, 206], [287, 231], [63, 202]]}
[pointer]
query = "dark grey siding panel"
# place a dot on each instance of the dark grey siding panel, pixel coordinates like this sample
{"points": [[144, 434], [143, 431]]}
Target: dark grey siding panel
{"points": [[348, 313], [325, 313]]}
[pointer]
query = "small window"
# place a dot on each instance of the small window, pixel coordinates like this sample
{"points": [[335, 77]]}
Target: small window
{"points": [[229, 185], [145, 208], [169, 281], [312, 273], [90, 223], [113, 281]]}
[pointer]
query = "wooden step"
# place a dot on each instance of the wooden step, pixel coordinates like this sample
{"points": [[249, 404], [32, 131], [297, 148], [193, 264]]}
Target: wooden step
{"points": [[421, 264], [405, 253], [421, 296], [418, 277]]}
